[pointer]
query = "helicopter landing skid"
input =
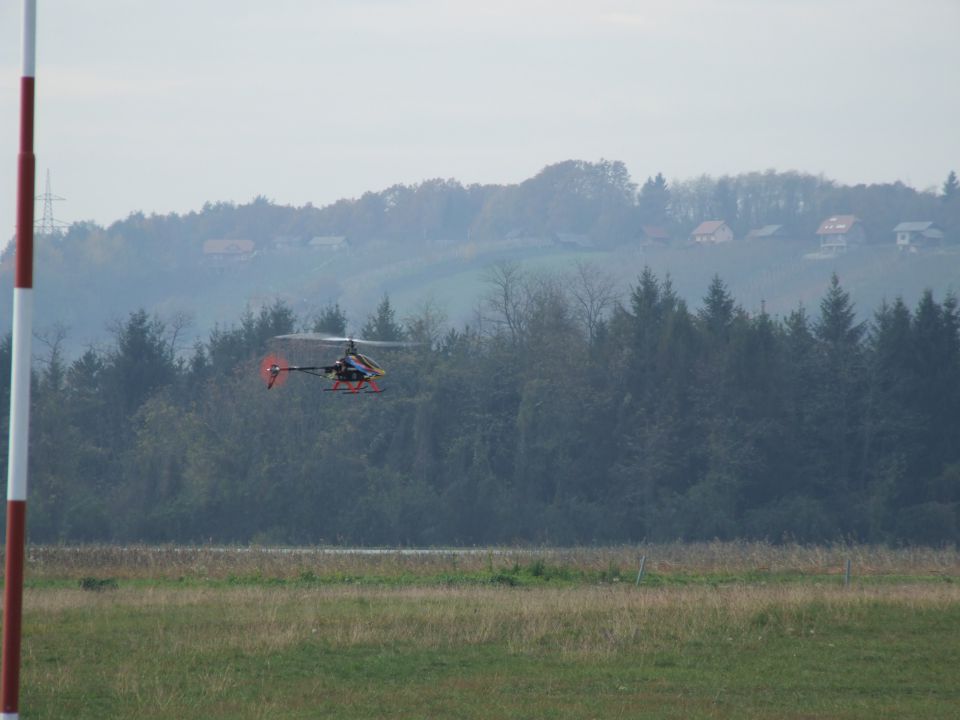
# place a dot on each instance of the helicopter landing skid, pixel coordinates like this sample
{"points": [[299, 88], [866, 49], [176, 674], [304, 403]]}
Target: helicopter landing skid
{"points": [[354, 388]]}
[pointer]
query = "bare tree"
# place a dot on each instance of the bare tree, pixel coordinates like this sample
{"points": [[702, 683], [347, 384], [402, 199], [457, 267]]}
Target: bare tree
{"points": [[594, 293], [179, 322], [508, 300], [427, 324], [53, 338]]}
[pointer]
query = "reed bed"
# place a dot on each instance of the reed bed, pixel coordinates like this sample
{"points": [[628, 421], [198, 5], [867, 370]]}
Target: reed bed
{"points": [[208, 562]]}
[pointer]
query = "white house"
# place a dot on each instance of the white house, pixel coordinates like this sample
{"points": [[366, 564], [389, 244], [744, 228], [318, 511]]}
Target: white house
{"points": [[712, 232], [839, 233], [914, 235]]}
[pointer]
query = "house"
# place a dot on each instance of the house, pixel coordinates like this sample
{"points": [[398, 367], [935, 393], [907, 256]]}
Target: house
{"points": [[225, 251], [915, 235], [329, 242], [712, 232], [768, 232], [653, 235], [839, 233]]}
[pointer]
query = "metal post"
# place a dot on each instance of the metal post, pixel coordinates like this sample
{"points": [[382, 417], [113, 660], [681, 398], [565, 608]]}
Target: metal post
{"points": [[643, 563], [846, 575], [20, 379]]}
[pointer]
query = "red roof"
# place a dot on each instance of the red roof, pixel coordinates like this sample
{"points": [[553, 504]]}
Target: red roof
{"points": [[709, 227], [837, 225]]}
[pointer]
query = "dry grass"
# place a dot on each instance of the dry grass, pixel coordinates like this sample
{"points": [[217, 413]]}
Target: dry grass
{"points": [[172, 562], [580, 620]]}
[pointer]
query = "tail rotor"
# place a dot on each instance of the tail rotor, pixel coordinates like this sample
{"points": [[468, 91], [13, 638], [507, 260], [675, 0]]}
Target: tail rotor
{"points": [[274, 370]]}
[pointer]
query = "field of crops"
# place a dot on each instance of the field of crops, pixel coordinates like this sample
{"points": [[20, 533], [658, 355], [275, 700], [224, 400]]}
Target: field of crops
{"points": [[712, 631]]}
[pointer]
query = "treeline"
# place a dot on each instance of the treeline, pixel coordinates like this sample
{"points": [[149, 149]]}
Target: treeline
{"points": [[598, 199], [563, 414], [158, 262]]}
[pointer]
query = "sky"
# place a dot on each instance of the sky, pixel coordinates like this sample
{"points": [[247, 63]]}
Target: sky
{"points": [[162, 106]]}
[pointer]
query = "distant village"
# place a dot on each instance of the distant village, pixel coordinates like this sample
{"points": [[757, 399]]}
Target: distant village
{"points": [[836, 235]]}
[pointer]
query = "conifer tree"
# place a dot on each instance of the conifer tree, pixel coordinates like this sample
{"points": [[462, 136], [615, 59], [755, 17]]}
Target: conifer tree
{"points": [[332, 320], [382, 323], [951, 187]]}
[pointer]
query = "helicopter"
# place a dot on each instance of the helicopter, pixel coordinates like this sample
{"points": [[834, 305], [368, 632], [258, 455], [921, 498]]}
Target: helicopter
{"points": [[352, 373]]}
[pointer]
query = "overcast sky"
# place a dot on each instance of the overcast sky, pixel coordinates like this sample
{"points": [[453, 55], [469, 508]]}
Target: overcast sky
{"points": [[162, 106]]}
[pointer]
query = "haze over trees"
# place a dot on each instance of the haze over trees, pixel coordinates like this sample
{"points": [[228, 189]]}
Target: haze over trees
{"points": [[575, 196], [90, 276], [568, 409], [564, 414]]}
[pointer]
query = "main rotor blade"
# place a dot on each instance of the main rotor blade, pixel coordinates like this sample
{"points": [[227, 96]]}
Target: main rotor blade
{"points": [[315, 337], [323, 337]]}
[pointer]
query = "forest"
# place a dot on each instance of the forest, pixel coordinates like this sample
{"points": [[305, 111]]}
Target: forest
{"points": [[562, 415], [599, 199], [89, 276]]}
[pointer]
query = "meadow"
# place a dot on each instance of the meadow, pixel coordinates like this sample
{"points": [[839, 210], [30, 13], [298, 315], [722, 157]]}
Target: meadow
{"points": [[711, 631]]}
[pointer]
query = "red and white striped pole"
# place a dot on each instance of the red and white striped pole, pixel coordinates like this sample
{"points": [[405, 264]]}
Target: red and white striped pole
{"points": [[20, 379]]}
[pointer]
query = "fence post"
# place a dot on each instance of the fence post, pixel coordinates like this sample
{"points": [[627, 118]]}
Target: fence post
{"points": [[643, 563], [846, 575]]}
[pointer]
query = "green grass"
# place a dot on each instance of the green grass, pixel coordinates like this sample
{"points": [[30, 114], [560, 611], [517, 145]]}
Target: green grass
{"points": [[504, 653], [715, 631]]}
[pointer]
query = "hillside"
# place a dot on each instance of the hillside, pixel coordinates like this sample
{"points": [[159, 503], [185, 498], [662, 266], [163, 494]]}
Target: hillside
{"points": [[434, 241]]}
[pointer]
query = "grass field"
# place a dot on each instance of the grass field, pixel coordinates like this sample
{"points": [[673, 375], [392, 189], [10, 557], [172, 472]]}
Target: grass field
{"points": [[712, 631]]}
